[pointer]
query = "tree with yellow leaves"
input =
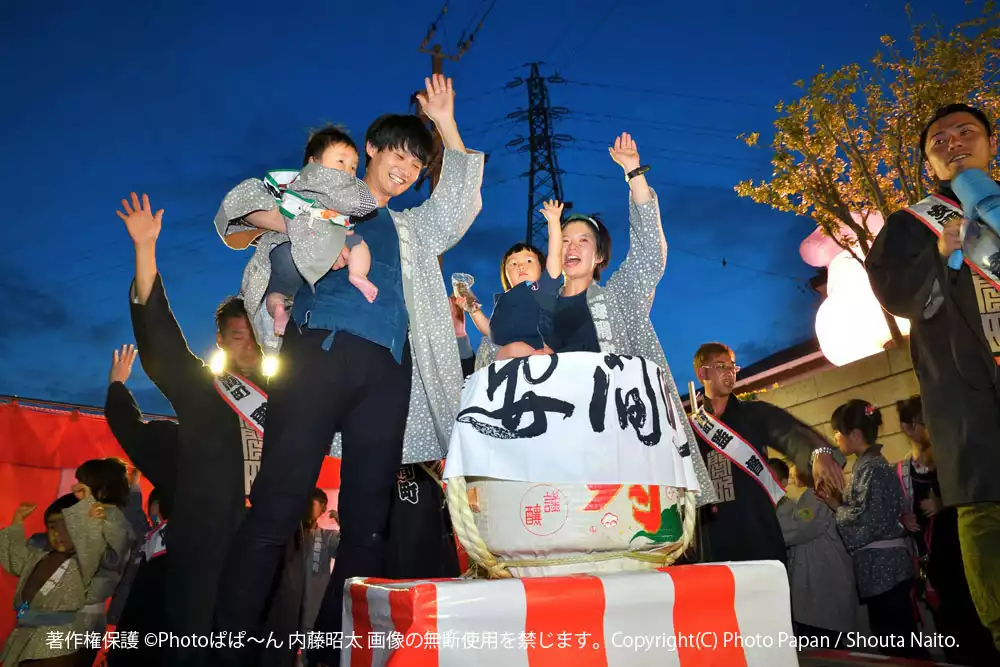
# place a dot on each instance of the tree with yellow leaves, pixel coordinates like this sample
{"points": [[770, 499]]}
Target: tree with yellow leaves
{"points": [[850, 143]]}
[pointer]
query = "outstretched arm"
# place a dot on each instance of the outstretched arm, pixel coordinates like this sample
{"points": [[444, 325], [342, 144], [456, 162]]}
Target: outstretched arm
{"points": [[441, 221], [162, 349], [640, 272], [552, 212], [905, 266]]}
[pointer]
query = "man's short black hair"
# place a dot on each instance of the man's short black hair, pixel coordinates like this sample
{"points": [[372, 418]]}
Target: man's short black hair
{"points": [[397, 132], [947, 111], [231, 308]]}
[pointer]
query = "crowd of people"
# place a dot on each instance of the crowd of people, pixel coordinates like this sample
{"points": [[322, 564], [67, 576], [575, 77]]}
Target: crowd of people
{"points": [[373, 355]]}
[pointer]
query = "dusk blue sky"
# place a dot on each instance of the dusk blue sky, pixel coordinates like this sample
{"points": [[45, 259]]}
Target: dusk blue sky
{"points": [[182, 100]]}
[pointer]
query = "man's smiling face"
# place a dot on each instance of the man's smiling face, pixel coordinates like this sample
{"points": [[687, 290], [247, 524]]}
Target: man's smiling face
{"points": [[957, 142]]}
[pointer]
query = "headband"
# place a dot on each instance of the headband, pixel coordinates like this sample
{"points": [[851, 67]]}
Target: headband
{"points": [[579, 217]]}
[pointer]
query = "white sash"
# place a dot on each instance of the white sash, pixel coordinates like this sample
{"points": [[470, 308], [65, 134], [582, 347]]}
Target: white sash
{"points": [[935, 211], [728, 443], [245, 398], [155, 544]]}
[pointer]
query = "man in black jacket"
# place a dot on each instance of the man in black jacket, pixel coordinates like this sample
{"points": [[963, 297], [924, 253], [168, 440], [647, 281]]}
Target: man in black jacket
{"points": [[218, 444], [954, 342], [734, 437]]}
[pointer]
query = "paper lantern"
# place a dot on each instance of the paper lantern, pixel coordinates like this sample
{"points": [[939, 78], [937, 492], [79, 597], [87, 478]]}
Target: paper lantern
{"points": [[850, 323]]}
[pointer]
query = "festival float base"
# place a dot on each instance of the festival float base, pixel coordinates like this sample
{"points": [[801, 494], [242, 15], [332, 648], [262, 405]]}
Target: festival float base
{"points": [[571, 486]]}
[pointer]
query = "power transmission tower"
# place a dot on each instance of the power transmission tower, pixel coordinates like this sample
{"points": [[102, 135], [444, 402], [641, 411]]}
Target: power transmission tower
{"points": [[543, 172], [438, 56]]}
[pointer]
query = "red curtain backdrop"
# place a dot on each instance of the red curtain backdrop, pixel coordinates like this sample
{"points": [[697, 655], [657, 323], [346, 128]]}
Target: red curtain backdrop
{"points": [[40, 449]]}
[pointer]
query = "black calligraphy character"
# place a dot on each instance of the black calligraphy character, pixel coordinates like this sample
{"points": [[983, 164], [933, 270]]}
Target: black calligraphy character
{"points": [[632, 410], [722, 439], [240, 392], [599, 400], [511, 412], [754, 465], [409, 492], [613, 361], [260, 414], [406, 474], [667, 401], [228, 381], [938, 211]]}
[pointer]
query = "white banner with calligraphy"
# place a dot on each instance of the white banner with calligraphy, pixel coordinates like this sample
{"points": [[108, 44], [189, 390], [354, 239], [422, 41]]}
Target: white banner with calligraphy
{"points": [[579, 417]]}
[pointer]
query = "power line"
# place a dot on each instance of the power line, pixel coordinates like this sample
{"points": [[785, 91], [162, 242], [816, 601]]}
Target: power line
{"points": [[708, 130], [582, 42], [677, 151]]}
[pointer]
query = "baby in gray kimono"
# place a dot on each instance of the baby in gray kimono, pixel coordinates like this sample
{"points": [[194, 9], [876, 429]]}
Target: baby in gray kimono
{"points": [[324, 192]]}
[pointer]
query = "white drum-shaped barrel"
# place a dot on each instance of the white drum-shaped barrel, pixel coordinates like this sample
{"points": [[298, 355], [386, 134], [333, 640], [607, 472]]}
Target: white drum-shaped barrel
{"points": [[569, 464]]}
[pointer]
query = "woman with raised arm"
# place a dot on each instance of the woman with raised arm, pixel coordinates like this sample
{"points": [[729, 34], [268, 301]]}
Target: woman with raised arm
{"points": [[614, 318]]}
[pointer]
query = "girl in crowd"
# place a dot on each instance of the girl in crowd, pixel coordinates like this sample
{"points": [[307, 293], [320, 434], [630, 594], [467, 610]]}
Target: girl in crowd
{"points": [[868, 518], [614, 319], [106, 482], [54, 583], [820, 572], [521, 322]]}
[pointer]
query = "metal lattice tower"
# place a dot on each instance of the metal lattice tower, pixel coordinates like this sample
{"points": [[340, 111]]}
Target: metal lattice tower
{"points": [[543, 171]]}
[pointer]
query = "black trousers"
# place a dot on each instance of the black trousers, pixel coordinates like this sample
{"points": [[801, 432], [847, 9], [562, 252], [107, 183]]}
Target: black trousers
{"points": [[358, 389], [892, 613]]}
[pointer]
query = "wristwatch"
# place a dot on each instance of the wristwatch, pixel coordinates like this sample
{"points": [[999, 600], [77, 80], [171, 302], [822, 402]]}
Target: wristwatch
{"points": [[819, 450], [638, 171]]}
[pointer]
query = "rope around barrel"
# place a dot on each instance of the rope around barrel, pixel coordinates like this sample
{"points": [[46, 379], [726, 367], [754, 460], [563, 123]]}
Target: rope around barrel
{"points": [[464, 522]]}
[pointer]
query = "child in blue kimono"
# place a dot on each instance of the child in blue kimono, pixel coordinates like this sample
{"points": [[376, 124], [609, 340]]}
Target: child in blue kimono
{"points": [[522, 315]]}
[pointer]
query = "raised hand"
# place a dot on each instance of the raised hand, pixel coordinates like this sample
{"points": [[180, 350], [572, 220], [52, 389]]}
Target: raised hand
{"points": [[121, 364], [438, 101], [22, 512], [457, 317], [143, 225], [552, 211], [625, 153]]}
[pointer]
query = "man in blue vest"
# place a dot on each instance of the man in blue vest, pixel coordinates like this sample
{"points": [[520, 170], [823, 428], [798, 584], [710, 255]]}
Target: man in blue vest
{"points": [[348, 367]]}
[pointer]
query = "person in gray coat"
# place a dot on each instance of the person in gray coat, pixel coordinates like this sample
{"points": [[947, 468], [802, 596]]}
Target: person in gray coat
{"points": [[820, 571]]}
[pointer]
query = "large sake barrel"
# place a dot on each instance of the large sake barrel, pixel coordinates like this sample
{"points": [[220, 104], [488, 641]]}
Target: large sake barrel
{"points": [[571, 463]]}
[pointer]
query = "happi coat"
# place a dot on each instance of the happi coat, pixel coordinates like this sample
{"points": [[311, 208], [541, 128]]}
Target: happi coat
{"points": [[621, 314], [425, 232]]}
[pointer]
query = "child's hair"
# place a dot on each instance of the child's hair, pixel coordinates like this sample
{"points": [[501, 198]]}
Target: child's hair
{"points": [[107, 480], [61, 504], [322, 139], [779, 467], [860, 415], [601, 233], [514, 249], [396, 132], [155, 496], [319, 495], [911, 410]]}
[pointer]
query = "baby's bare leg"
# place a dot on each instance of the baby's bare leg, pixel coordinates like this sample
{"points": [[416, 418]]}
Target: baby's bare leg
{"points": [[358, 266], [275, 303]]}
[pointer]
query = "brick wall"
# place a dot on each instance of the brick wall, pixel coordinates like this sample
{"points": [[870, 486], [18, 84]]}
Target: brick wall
{"points": [[881, 380]]}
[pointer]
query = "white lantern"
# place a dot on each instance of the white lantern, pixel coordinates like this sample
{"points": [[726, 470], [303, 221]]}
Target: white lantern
{"points": [[850, 323]]}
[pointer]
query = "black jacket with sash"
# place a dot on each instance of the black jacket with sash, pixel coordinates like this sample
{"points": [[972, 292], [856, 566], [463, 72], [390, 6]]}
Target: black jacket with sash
{"points": [[953, 360], [208, 470], [743, 525]]}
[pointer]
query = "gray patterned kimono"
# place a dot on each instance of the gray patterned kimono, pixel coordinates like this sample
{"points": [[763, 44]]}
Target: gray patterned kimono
{"points": [[70, 605], [316, 243], [621, 314]]}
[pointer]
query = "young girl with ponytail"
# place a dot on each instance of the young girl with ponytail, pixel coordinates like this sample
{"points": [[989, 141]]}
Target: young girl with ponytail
{"points": [[868, 519]]}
